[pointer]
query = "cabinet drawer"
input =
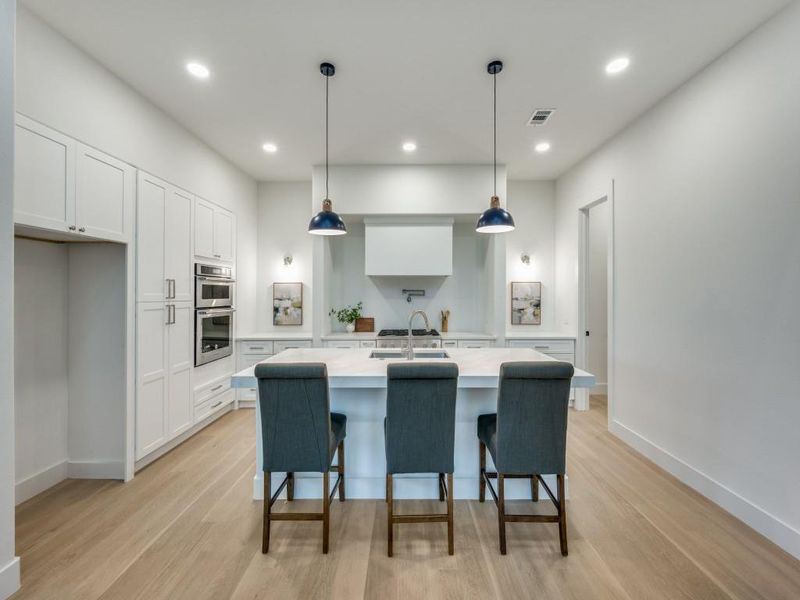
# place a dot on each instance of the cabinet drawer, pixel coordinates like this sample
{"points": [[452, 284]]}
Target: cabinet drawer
{"points": [[256, 347], [475, 343], [212, 405], [341, 344], [290, 345], [367, 344], [449, 343], [545, 346], [212, 390]]}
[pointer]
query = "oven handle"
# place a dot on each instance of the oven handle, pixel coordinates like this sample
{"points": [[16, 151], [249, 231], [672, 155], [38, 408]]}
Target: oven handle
{"points": [[217, 311], [215, 279]]}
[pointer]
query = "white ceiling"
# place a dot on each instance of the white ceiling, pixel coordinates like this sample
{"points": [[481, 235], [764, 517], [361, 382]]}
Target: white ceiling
{"points": [[411, 69]]}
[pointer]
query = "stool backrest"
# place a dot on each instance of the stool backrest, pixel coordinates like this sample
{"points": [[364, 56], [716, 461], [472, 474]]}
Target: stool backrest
{"points": [[532, 403], [420, 417], [295, 416]]}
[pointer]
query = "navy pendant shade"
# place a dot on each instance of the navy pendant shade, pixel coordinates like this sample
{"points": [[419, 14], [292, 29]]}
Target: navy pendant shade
{"points": [[495, 219], [327, 222]]}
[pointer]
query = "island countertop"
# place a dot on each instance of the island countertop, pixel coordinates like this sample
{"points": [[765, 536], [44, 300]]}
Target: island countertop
{"points": [[353, 368]]}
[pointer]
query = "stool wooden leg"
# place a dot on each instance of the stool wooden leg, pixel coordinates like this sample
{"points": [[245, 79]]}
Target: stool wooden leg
{"points": [[501, 511], [340, 460], [326, 510], [290, 486], [450, 548], [389, 507], [441, 487], [562, 515], [535, 488], [265, 530], [482, 484]]}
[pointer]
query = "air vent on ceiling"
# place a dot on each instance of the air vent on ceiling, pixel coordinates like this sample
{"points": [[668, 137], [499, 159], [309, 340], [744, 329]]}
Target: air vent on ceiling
{"points": [[540, 116]]}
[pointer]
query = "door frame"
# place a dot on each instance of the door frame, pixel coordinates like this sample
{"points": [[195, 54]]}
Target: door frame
{"points": [[581, 350]]}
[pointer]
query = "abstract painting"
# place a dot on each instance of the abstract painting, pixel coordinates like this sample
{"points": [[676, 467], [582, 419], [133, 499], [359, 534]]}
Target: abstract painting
{"points": [[526, 303], [287, 303]]}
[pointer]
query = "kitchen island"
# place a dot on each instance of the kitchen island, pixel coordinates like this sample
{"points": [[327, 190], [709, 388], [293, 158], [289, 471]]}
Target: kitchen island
{"points": [[358, 389]]}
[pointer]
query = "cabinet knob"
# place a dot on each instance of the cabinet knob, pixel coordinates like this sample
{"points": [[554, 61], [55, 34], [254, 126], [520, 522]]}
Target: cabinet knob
{"points": [[72, 227], [82, 229]]}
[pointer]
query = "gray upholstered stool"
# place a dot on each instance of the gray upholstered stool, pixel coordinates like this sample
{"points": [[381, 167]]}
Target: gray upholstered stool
{"points": [[527, 437], [420, 433], [299, 434]]}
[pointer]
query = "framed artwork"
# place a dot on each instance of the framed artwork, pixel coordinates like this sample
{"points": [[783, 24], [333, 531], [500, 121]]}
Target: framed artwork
{"points": [[526, 303], [287, 303]]}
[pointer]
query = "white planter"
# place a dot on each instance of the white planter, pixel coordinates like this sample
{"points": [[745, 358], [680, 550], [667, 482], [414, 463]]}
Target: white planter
{"points": [[350, 327]]}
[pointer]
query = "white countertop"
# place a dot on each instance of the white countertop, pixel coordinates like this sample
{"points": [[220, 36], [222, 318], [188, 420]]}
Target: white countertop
{"points": [[372, 335], [478, 367], [277, 335], [539, 335]]}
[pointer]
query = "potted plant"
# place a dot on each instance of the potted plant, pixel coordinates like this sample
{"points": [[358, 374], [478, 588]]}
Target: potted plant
{"points": [[348, 315]]}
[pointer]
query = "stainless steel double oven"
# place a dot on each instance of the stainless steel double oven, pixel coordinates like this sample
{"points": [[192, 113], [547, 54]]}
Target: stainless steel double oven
{"points": [[213, 303]]}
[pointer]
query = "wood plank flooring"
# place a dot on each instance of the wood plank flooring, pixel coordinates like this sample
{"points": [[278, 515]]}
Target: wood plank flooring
{"points": [[186, 527]]}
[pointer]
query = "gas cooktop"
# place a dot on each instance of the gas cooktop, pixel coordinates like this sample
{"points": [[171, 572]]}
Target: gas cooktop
{"points": [[404, 333]]}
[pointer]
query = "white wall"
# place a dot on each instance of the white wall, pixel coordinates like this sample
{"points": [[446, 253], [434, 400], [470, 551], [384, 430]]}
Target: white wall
{"points": [[532, 204], [9, 564], [383, 298], [41, 376], [707, 337], [64, 88], [408, 189]]}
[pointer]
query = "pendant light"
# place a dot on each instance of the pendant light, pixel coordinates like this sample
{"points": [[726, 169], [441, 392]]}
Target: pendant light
{"points": [[327, 222], [495, 219]]}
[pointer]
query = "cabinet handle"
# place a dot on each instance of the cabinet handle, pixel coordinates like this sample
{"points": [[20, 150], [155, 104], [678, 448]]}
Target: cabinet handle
{"points": [[82, 229], [218, 256], [216, 404], [174, 316], [256, 347], [72, 227], [174, 289], [542, 347], [215, 388]]}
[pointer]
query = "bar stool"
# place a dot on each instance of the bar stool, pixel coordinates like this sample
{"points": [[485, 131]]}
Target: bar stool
{"points": [[528, 437], [420, 434], [300, 434]]}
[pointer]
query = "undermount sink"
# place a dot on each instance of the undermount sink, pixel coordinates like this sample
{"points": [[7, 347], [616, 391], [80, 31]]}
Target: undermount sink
{"points": [[418, 354]]}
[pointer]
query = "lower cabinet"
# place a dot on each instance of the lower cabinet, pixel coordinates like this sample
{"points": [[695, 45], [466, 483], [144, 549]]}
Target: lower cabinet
{"points": [[559, 349], [164, 359], [212, 397]]}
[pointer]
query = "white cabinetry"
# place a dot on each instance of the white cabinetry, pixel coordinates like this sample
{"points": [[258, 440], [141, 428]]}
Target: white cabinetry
{"points": [[214, 231], [65, 186], [164, 236], [254, 351], [559, 349], [164, 373]]}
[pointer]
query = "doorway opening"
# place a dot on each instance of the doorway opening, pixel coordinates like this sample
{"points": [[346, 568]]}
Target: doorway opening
{"points": [[596, 296]]}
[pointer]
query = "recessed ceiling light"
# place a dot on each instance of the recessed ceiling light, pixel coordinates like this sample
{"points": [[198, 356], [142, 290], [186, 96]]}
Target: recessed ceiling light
{"points": [[542, 147], [268, 147], [198, 70], [409, 147], [618, 65]]}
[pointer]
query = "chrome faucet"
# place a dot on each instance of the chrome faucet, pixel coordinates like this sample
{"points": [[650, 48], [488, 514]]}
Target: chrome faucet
{"points": [[410, 355]]}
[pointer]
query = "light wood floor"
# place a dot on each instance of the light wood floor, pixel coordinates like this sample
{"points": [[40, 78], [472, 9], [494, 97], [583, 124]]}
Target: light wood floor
{"points": [[186, 527]]}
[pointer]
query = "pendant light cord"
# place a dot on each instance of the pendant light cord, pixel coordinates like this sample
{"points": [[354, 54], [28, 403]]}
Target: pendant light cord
{"points": [[327, 78], [494, 109]]}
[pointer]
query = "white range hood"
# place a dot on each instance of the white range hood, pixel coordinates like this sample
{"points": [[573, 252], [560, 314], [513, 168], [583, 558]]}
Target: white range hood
{"points": [[408, 246]]}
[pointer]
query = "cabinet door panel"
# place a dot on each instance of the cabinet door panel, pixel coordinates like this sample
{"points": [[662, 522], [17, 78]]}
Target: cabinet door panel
{"points": [[44, 177], [178, 244], [180, 399], [150, 277], [103, 195], [203, 229], [151, 377], [223, 235]]}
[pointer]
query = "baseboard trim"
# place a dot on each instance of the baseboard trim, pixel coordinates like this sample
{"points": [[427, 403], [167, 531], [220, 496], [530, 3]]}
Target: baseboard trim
{"points": [[96, 469], [9, 578], [39, 482], [768, 525]]}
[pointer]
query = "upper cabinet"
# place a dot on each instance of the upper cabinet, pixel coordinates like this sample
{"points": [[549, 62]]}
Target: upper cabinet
{"points": [[164, 242], [65, 186], [408, 247], [214, 231]]}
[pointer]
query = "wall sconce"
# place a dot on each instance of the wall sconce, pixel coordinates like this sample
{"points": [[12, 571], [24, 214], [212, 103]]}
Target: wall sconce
{"points": [[525, 258], [287, 260]]}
